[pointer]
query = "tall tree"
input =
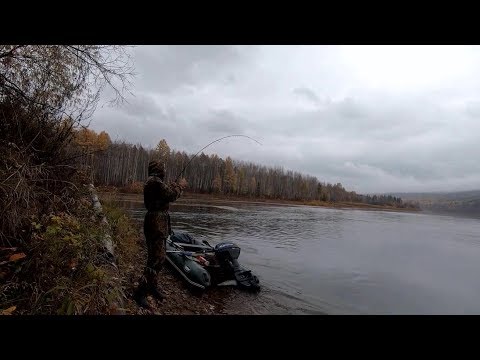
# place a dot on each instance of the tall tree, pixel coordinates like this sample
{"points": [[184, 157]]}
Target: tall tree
{"points": [[163, 150], [230, 178]]}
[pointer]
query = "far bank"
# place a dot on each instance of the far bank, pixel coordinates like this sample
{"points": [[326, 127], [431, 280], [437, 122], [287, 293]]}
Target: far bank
{"points": [[189, 196]]}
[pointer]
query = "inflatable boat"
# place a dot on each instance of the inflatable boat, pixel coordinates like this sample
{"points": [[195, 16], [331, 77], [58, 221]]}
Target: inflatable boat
{"points": [[204, 266]]}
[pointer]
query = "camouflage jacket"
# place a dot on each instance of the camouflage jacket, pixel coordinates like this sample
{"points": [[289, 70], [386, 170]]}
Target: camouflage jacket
{"points": [[157, 194]]}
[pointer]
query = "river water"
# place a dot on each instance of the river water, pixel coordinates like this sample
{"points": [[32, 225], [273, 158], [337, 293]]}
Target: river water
{"points": [[314, 260]]}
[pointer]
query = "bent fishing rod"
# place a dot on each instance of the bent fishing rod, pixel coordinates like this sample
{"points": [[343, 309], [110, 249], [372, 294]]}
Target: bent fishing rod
{"points": [[213, 142]]}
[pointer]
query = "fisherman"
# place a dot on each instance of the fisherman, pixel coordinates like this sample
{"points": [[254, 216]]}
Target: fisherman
{"points": [[157, 196]]}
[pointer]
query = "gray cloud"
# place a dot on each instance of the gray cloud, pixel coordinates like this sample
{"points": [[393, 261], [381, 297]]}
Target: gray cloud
{"points": [[222, 122], [164, 69], [349, 108], [307, 94], [374, 122], [473, 108]]}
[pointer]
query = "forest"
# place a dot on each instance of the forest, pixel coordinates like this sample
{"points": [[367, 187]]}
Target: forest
{"points": [[125, 165]]}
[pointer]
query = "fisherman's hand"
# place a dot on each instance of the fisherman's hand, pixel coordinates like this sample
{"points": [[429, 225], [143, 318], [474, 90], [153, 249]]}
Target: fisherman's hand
{"points": [[182, 183]]}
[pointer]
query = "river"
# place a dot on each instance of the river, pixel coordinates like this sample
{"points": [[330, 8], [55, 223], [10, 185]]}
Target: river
{"points": [[313, 260]]}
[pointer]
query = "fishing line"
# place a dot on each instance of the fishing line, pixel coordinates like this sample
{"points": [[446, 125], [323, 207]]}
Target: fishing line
{"points": [[213, 142]]}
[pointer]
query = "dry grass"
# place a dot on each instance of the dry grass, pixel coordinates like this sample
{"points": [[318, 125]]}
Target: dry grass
{"points": [[34, 179], [135, 187], [51, 259], [64, 271]]}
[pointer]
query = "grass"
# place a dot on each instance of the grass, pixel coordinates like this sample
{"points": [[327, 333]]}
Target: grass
{"points": [[64, 270], [130, 250]]}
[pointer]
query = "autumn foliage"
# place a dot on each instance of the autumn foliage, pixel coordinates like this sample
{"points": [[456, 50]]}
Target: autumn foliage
{"points": [[47, 94], [125, 166]]}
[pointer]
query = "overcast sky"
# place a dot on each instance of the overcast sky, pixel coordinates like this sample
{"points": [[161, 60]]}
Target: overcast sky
{"points": [[375, 118]]}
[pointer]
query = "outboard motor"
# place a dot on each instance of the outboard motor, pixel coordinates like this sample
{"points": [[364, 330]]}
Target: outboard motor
{"points": [[227, 251], [227, 254]]}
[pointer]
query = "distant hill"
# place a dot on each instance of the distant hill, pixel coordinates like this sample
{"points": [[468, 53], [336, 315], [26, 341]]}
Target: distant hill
{"points": [[461, 202]]}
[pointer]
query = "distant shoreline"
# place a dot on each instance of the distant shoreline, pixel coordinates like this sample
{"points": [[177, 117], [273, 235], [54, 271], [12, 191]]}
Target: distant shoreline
{"points": [[313, 203], [187, 196]]}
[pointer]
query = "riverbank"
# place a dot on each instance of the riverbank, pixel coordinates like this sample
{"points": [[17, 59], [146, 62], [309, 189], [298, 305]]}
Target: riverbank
{"points": [[179, 299], [63, 269], [315, 203], [190, 196]]}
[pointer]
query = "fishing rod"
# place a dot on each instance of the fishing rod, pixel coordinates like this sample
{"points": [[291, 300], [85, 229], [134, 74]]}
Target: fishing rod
{"points": [[213, 142]]}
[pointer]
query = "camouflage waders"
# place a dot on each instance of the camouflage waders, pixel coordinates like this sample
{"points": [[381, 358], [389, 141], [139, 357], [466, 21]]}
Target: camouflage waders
{"points": [[157, 196]]}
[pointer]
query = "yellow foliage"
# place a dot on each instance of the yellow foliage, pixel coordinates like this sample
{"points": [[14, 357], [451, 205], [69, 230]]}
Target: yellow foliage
{"points": [[90, 139]]}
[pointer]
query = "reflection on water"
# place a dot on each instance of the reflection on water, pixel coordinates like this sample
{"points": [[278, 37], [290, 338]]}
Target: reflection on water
{"points": [[316, 260]]}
